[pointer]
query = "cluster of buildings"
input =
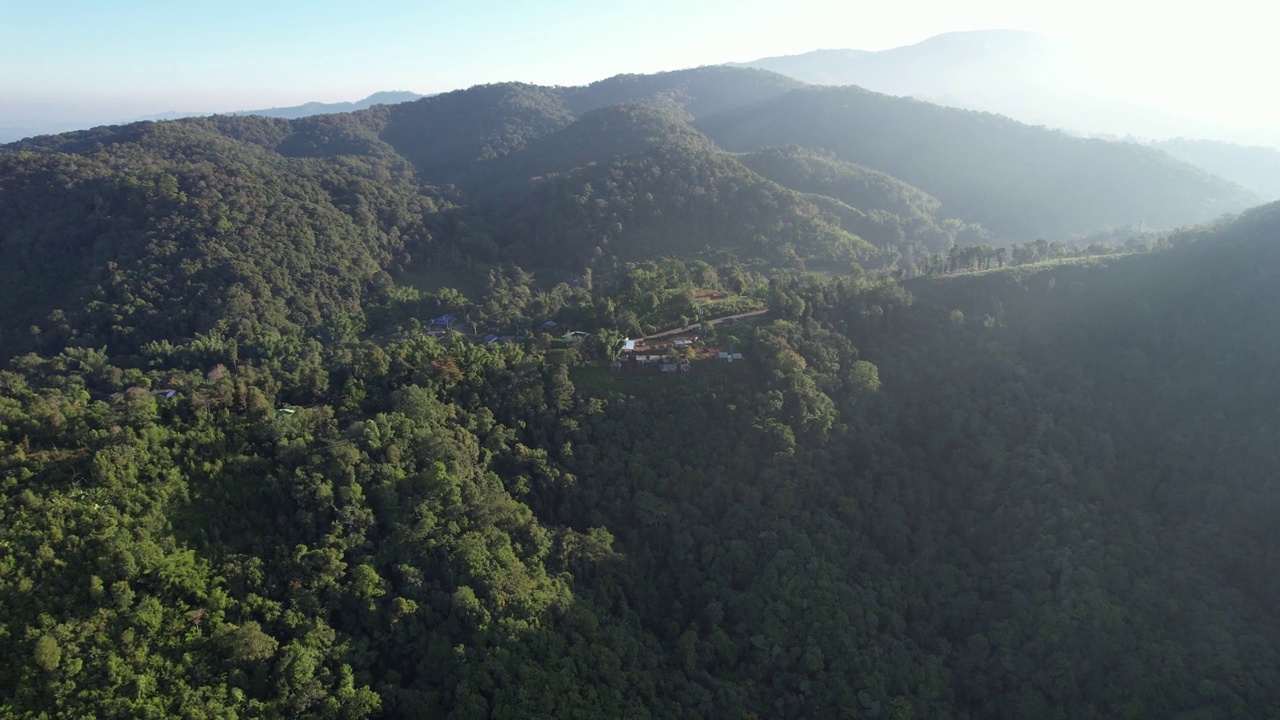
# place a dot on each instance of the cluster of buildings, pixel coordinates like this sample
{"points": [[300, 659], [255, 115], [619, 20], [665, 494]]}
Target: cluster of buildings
{"points": [[444, 324], [644, 354]]}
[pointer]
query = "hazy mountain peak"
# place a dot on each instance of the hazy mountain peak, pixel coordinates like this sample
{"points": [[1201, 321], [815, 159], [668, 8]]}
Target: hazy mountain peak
{"points": [[1032, 77], [385, 97], [994, 38], [390, 97]]}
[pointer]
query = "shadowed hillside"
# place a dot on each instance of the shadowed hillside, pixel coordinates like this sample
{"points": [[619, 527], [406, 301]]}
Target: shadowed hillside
{"points": [[1019, 181]]}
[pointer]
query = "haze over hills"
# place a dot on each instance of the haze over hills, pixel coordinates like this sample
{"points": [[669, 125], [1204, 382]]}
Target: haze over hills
{"points": [[1017, 180], [385, 97], [1031, 77], [1257, 168], [332, 417], [33, 126]]}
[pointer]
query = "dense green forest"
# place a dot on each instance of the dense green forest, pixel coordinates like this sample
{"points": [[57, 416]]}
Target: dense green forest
{"points": [[247, 473]]}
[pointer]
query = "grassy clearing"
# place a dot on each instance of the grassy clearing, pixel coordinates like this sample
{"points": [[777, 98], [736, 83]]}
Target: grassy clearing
{"points": [[1019, 272]]}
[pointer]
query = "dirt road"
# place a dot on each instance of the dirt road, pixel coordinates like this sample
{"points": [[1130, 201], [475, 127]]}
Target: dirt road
{"points": [[713, 322]]}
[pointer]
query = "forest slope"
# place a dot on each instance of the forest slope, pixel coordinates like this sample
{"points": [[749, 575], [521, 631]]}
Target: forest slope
{"points": [[160, 231], [1020, 182], [887, 211], [896, 507]]}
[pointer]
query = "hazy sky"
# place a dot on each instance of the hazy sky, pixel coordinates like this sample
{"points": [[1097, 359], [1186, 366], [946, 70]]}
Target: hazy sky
{"points": [[129, 57]]}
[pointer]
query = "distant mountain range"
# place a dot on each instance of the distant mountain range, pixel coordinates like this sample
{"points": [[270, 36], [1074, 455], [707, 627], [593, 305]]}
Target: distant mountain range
{"points": [[33, 127], [10, 134], [1030, 77], [386, 97]]}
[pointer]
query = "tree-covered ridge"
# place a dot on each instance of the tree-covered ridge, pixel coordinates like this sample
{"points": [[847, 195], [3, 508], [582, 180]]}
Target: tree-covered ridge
{"points": [[1020, 182], [819, 172], [699, 92], [673, 200], [886, 211], [445, 135], [182, 230], [597, 137]]}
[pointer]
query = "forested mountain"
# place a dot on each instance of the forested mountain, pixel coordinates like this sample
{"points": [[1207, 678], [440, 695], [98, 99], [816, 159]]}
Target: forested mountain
{"points": [[1257, 168], [677, 201], [638, 181], [1018, 181], [445, 135], [161, 231], [597, 136], [972, 162], [252, 464]]}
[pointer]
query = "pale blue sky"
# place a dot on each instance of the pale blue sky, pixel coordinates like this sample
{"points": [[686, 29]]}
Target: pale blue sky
{"points": [[129, 57]]}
